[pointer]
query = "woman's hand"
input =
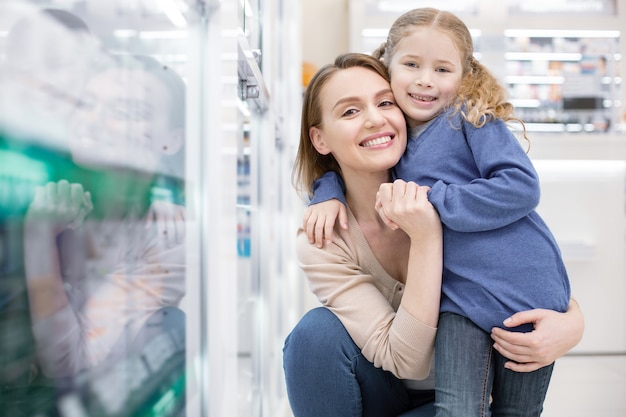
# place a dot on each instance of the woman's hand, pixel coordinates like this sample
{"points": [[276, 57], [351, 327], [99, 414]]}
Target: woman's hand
{"points": [[554, 335]]}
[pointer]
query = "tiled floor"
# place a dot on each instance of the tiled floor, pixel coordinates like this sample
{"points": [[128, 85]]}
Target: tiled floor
{"points": [[584, 386]]}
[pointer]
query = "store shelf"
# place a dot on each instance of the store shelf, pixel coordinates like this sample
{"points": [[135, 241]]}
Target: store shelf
{"points": [[564, 80]]}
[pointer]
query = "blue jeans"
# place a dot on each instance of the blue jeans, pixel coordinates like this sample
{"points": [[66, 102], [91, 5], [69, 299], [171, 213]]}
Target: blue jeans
{"points": [[471, 380], [326, 375]]}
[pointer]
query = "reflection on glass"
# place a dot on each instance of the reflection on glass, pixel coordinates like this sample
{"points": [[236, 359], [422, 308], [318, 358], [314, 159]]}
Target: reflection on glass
{"points": [[92, 212]]}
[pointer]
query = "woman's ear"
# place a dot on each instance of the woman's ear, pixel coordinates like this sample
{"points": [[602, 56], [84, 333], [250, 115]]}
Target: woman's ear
{"points": [[317, 140]]}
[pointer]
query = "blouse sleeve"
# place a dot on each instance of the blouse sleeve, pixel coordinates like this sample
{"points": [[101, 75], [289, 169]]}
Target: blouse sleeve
{"points": [[395, 341]]}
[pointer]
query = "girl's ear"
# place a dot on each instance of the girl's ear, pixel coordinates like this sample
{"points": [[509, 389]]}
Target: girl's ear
{"points": [[317, 140]]}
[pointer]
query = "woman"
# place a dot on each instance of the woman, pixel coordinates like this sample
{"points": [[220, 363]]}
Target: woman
{"points": [[367, 351]]}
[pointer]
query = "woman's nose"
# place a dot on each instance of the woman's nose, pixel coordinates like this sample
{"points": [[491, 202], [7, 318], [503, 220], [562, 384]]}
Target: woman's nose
{"points": [[375, 118]]}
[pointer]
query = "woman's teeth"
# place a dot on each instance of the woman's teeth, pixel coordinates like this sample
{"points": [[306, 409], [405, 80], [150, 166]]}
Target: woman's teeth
{"points": [[377, 141]]}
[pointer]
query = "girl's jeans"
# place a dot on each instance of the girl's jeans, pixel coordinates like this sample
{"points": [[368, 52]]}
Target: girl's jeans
{"points": [[470, 373], [327, 376]]}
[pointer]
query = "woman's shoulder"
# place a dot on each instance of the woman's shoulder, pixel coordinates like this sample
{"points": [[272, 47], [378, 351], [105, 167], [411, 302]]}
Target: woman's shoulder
{"points": [[348, 246], [343, 246]]}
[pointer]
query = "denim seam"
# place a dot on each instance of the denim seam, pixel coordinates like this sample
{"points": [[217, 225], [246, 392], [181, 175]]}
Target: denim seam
{"points": [[357, 409], [485, 382]]}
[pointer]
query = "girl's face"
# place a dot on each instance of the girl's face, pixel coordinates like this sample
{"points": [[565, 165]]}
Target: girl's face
{"points": [[426, 72], [361, 124]]}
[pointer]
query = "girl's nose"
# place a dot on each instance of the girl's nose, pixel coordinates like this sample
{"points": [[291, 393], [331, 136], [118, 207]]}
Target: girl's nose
{"points": [[424, 80]]}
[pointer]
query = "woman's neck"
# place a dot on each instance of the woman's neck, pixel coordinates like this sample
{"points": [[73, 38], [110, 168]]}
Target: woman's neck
{"points": [[361, 192], [390, 247]]}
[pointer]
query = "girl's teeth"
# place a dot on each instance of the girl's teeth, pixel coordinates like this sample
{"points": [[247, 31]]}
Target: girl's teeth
{"points": [[423, 98]]}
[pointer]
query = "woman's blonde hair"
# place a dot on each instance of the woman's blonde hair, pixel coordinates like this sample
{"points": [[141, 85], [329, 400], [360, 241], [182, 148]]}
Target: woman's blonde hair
{"points": [[480, 97], [309, 164]]}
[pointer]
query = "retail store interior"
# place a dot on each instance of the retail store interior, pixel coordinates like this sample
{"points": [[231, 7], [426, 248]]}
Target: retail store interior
{"points": [[148, 216]]}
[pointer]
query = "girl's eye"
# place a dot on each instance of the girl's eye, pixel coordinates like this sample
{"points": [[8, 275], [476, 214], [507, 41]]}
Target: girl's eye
{"points": [[411, 64], [387, 103], [442, 70]]}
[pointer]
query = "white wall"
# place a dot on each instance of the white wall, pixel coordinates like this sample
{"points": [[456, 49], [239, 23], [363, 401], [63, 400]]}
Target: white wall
{"points": [[324, 30]]}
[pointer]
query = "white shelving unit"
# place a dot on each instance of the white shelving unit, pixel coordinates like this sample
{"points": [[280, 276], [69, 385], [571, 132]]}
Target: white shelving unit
{"points": [[550, 55], [564, 80]]}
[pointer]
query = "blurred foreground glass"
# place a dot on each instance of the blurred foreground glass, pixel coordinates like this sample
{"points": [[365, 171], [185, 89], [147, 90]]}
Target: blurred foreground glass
{"points": [[92, 222]]}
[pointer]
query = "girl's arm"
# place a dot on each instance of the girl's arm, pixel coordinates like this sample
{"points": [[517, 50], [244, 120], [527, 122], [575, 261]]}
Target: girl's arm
{"points": [[328, 203], [320, 218], [554, 335], [492, 181]]}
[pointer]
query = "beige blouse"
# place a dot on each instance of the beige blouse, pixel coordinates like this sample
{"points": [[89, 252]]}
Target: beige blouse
{"points": [[347, 278]]}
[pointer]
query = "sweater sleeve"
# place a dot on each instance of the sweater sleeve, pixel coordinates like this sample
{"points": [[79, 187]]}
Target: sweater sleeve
{"points": [[505, 190], [395, 341], [328, 186]]}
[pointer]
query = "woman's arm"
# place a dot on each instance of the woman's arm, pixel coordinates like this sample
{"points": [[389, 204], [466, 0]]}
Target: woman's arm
{"points": [[554, 335], [348, 280], [406, 205]]}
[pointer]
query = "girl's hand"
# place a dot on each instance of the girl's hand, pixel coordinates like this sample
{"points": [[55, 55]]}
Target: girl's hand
{"points": [[554, 335], [405, 205], [319, 221]]}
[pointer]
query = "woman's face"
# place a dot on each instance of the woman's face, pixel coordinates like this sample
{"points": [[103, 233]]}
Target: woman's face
{"points": [[361, 124], [426, 73]]}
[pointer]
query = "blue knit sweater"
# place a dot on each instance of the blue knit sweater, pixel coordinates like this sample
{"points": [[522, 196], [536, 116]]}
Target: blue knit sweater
{"points": [[499, 255]]}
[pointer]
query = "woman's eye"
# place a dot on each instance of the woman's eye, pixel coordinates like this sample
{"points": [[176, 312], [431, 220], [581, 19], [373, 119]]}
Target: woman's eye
{"points": [[349, 112], [387, 103], [411, 64]]}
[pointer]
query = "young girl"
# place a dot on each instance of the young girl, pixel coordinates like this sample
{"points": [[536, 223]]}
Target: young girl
{"points": [[499, 255]]}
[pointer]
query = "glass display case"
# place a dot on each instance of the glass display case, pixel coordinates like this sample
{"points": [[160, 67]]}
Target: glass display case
{"points": [[266, 229], [93, 198], [143, 173]]}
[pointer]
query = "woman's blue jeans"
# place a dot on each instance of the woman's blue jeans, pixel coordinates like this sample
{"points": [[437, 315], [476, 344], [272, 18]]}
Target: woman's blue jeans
{"points": [[471, 374], [326, 375]]}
